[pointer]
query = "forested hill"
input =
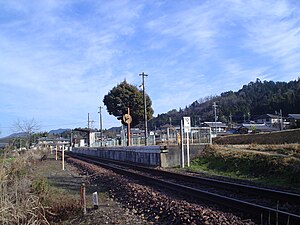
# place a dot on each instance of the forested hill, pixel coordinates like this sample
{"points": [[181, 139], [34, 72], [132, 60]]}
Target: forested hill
{"points": [[251, 100]]}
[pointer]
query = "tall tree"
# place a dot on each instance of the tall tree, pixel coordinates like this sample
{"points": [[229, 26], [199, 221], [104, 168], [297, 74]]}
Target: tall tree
{"points": [[125, 96]]}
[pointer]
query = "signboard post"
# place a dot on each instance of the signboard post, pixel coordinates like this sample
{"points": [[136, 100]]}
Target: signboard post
{"points": [[181, 144], [187, 129], [187, 124]]}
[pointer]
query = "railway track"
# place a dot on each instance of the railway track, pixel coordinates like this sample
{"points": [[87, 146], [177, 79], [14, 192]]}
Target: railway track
{"points": [[206, 189]]}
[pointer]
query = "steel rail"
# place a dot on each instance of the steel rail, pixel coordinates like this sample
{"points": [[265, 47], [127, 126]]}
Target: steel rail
{"points": [[277, 195], [255, 209]]}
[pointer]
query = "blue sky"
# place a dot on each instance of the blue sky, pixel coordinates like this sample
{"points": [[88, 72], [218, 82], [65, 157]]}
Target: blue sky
{"points": [[58, 58]]}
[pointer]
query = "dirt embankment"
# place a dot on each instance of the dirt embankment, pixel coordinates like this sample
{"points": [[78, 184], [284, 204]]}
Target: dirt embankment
{"points": [[280, 137]]}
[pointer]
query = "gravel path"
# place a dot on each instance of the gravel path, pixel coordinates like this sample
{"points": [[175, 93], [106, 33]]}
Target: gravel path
{"points": [[69, 181]]}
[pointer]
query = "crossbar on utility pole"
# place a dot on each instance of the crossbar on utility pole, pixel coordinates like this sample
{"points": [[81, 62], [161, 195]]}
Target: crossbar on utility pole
{"points": [[145, 107]]}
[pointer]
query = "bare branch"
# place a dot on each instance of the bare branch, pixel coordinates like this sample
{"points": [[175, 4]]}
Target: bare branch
{"points": [[28, 127]]}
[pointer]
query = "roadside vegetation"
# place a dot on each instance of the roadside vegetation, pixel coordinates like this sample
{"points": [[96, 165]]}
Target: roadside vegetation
{"points": [[275, 165], [18, 205], [27, 199]]}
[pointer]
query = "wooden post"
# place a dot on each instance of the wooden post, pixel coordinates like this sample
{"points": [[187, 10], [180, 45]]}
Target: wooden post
{"points": [[83, 197]]}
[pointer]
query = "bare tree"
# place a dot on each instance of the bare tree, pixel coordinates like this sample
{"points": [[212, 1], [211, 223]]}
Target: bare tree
{"points": [[28, 127]]}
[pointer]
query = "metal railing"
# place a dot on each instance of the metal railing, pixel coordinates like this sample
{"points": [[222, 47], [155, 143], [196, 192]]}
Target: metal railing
{"points": [[168, 136]]}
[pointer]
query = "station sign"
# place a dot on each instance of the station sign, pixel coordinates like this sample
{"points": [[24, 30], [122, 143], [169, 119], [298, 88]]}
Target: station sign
{"points": [[187, 124]]}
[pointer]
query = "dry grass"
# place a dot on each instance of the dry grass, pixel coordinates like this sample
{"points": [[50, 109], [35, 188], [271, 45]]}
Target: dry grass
{"points": [[17, 204], [292, 150], [274, 138], [275, 163]]}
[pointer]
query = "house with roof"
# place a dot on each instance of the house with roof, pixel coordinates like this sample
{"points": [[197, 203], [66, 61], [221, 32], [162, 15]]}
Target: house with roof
{"points": [[53, 142], [269, 119], [294, 120], [256, 128], [216, 127]]}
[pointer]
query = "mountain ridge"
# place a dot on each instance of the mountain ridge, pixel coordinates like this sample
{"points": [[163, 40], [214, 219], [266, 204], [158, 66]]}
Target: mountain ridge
{"points": [[253, 99]]}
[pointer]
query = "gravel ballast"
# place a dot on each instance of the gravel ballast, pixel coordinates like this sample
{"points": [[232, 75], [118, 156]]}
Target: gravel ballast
{"points": [[151, 205]]}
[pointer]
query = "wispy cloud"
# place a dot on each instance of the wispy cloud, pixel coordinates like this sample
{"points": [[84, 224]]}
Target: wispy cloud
{"points": [[272, 31], [59, 58]]}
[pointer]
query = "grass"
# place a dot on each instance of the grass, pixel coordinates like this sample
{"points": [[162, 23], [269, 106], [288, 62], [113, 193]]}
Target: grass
{"points": [[283, 149], [259, 164], [17, 204], [6, 161], [27, 197], [59, 202]]}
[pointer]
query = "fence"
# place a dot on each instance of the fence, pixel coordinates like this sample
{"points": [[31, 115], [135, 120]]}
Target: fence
{"points": [[197, 136], [167, 136]]}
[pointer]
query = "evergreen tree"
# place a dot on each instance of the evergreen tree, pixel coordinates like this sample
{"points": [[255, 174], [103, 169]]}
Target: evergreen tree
{"points": [[125, 96]]}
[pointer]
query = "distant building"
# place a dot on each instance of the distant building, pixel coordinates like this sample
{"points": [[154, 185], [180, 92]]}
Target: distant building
{"points": [[215, 126], [269, 119], [52, 142], [246, 128], [294, 120]]}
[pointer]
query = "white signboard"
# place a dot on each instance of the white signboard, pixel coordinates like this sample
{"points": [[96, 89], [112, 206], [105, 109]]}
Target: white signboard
{"points": [[187, 124]]}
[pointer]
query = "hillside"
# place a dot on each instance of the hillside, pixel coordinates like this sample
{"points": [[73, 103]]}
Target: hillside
{"points": [[59, 131], [252, 100]]}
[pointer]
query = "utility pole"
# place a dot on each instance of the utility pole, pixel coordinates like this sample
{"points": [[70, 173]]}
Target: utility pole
{"points": [[230, 119], [281, 119], [100, 124], [145, 107], [215, 111], [89, 122], [128, 127]]}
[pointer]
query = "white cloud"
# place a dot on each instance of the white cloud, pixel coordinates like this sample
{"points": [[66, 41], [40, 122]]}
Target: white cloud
{"points": [[59, 58], [273, 31]]}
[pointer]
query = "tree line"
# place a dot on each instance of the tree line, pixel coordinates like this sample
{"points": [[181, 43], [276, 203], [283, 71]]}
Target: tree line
{"points": [[254, 99]]}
